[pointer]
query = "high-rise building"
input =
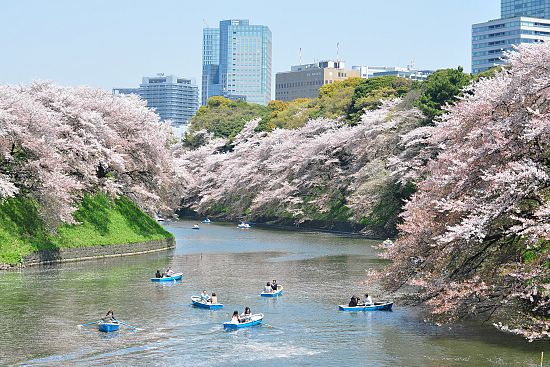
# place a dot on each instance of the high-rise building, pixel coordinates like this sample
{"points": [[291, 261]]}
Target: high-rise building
{"points": [[236, 61], [173, 98], [304, 81], [525, 8], [522, 21]]}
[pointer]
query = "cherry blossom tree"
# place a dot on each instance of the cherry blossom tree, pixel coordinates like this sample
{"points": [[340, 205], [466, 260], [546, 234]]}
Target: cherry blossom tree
{"points": [[58, 143], [475, 234]]}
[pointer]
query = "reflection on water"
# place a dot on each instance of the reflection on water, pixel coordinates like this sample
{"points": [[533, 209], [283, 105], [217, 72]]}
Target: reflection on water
{"points": [[41, 308]]}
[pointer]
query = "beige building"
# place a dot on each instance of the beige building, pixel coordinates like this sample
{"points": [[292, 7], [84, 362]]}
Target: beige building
{"points": [[304, 81]]}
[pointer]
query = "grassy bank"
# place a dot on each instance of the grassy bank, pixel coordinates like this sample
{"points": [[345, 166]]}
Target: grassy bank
{"points": [[102, 222]]}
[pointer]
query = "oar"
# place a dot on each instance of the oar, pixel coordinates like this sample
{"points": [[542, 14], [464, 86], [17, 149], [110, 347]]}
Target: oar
{"points": [[88, 323], [130, 326]]}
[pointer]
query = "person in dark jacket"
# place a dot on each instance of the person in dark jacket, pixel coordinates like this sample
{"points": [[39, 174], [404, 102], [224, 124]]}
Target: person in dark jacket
{"points": [[353, 301], [158, 274], [274, 285]]}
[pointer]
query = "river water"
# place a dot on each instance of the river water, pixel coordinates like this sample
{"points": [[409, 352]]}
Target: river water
{"points": [[41, 308]]}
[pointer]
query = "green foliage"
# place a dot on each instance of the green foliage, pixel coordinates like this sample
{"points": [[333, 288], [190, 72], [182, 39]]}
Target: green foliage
{"points": [[440, 88], [223, 118], [102, 222], [370, 93], [385, 212]]}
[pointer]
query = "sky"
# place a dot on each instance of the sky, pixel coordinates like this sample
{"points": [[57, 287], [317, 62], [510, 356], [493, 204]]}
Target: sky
{"points": [[113, 43]]}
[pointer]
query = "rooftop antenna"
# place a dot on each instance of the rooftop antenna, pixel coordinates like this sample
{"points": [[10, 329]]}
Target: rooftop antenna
{"points": [[205, 24], [412, 65], [337, 54], [300, 56]]}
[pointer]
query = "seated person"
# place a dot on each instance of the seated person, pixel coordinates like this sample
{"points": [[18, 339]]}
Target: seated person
{"points": [[235, 318], [353, 301], [110, 317], [274, 285], [245, 316], [214, 298], [267, 288], [368, 300], [169, 272], [158, 274], [204, 296]]}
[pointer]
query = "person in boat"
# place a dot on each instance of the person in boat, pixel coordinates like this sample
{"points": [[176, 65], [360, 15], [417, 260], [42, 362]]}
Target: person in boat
{"points": [[245, 316], [169, 272], [110, 317], [368, 300], [235, 318], [267, 288], [204, 296], [353, 302], [214, 298], [274, 285], [158, 274]]}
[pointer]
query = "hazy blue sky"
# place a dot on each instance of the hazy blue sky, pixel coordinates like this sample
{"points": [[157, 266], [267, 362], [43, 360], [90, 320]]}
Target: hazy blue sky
{"points": [[110, 43]]}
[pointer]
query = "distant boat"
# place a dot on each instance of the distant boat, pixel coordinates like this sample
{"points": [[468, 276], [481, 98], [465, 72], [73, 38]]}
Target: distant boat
{"points": [[196, 226], [197, 302], [243, 225], [174, 277], [207, 221], [159, 218], [377, 306], [107, 327], [277, 293], [255, 319]]}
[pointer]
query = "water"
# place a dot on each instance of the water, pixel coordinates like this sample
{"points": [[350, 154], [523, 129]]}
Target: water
{"points": [[41, 308]]}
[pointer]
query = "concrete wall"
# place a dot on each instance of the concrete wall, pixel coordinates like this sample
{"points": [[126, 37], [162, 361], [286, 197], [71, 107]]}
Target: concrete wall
{"points": [[94, 252]]}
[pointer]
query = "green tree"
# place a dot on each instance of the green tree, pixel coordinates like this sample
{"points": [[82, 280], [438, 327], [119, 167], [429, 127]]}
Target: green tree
{"points": [[369, 93], [223, 117], [440, 88]]}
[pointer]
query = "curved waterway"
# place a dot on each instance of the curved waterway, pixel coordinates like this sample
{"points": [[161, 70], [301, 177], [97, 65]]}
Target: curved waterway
{"points": [[41, 308]]}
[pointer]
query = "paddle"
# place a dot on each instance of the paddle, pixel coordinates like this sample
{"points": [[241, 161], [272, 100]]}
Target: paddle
{"points": [[125, 324], [88, 323]]}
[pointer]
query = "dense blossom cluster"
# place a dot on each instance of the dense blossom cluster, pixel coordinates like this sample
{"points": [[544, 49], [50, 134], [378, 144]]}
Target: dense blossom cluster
{"points": [[285, 172], [58, 143], [477, 229]]}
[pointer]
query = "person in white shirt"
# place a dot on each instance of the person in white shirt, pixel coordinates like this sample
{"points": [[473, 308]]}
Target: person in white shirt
{"points": [[235, 317], [267, 288], [204, 296], [368, 300], [169, 272]]}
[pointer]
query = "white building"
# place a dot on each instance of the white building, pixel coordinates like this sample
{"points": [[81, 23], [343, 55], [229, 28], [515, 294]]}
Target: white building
{"points": [[491, 39], [408, 72]]}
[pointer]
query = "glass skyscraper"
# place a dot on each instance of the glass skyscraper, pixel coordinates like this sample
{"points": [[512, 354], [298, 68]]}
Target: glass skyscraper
{"points": [[523, 21], [236, 62], [525, 8], [173, 98]]}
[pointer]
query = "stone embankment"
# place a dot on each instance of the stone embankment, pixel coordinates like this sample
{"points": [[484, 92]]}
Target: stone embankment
{"points": [[92, 252]]}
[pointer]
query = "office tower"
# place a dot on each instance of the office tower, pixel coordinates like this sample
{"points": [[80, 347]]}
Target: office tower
{"points": [[172, 97], [237, 61], [523, 21], [525, 8], [304, 81]]}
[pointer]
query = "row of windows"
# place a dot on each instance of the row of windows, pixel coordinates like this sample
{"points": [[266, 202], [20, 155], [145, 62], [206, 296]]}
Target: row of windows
{"points": [[299, 84], [514, 24]]}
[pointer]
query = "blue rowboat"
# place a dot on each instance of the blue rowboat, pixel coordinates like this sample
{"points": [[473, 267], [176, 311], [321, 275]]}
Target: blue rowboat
{"points": [[377, 306], [174, 277], [255, 319], [196, 301], [273, 294], [107, 327]]}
